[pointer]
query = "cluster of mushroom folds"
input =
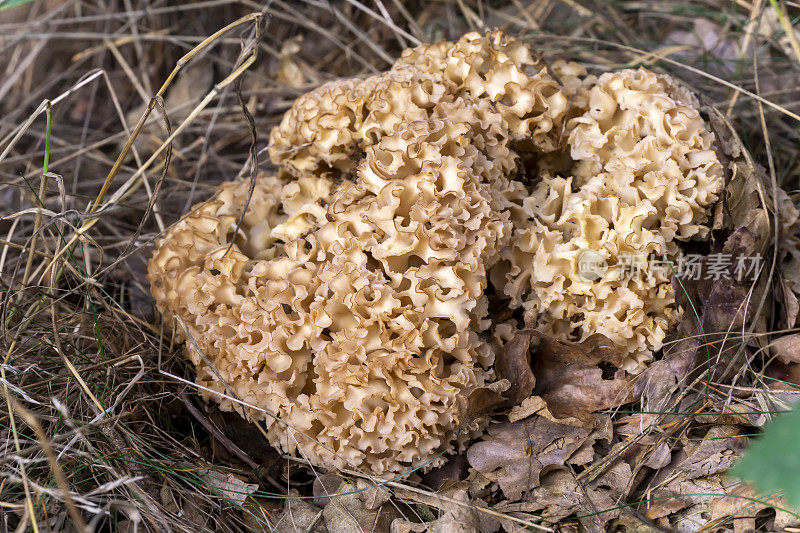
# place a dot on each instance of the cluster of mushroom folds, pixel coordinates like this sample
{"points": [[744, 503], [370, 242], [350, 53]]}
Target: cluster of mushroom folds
{"points": [[349, 310], [644, 174]]}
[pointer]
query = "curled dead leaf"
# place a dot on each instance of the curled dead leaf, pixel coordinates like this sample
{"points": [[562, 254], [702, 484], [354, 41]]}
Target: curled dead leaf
{"points": [[299, 515], [513, 362], [560, 495], [663, 378], [788, 298], [514, 454], [227, 486], [715, 452], [577, 379], [324, 486], [480, 402], [359, 511], [786, 348], [535, 405], [454, 518]]}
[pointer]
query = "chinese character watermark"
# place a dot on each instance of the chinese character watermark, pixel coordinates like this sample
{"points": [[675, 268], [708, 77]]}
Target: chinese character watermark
{"points": [[593, 266]]}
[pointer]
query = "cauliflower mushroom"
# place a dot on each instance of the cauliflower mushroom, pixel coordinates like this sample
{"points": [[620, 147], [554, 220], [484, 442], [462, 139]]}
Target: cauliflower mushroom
{"points": [[350, 311]]}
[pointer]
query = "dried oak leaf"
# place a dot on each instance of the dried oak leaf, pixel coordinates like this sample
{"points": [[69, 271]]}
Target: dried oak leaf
{"points": [[681, 492], [514, 454], [299, 515], [603, 431], [664, 377], [513, 362], [791, 305], [454, 518], [560, 495], [783, 381], [680, 504], [479, 403], [784, 368], [359, 511], [535, 405], [787, 348], [227, 486], [715, 452], [643, 447], [739, 505], [324, 486], [687, 505], [577, 379]]}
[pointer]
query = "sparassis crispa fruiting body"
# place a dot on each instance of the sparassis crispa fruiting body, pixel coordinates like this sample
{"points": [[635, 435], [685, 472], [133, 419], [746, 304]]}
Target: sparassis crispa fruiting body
{"points": [[352, 303]]}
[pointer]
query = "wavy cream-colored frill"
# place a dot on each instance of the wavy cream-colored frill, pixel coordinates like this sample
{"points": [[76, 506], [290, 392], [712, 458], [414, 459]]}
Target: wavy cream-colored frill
{"points": [[643, 178], [327, 127]]}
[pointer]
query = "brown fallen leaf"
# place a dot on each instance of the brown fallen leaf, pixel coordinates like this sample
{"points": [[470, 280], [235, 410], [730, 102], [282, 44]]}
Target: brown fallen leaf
{"points": [[682, 504], [445, 503], [631, 523], [681, 492], [791, 305], [603, 431], [513, 362], [299, 515], [359, 511], [742, 241], [715, 452], [535, 405], [740, 511], [482, 399], [560, 495], [577, 379], [739, 505], [667, 376], [514, 454], [479, 403], [324, 486], [727, 307], [642, 445], [454, 518], [783, 380], [659, 457], [714, 503], [227, 486], [790, 265], [786, 348]]}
